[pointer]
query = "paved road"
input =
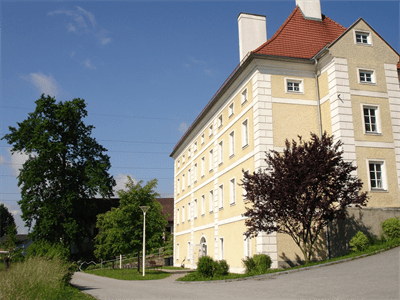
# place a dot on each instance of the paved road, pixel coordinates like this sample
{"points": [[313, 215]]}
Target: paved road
{"points": [[373, 277]]}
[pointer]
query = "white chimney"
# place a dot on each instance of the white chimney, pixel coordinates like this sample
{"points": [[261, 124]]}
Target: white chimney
{"points": [[311, 9], [252, 33]]}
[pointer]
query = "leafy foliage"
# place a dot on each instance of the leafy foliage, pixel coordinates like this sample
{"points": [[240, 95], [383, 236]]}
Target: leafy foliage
{"points": [[48, 250], [6, 219], [249, 264], [207, 267], [391, 228], [258, 264], [359, 241], [121, 229], [221, 268], [66, 168], [301, 190]]}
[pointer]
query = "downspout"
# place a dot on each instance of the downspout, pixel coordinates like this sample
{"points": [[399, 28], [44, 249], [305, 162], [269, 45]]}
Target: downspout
{"points": [[328, 250]]}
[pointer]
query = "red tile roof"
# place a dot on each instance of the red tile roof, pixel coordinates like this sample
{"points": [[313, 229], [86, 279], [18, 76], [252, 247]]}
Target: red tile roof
{"points": [[301, 38]]}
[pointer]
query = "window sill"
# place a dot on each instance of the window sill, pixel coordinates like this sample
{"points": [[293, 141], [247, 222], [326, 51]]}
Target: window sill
{"points": [[230, 116], [221, 208], [220, 164], [379, 191], [364, 44], [245, 146], [231, 156], [202, 176], [294, 92], [233, 204], [210, 171], [373, 133], [367, 83], [211, 212], [202, 215], [244, 102]]}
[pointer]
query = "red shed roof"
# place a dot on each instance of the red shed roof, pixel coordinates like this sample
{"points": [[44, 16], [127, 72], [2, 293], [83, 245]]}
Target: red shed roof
{"points": [[301, 38]]}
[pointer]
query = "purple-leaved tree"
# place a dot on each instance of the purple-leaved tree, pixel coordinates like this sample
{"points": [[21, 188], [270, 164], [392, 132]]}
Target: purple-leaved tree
{"points": [[301, 190]]}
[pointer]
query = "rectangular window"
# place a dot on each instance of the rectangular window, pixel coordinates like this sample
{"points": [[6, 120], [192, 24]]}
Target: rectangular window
{"points": [[376, 173], [177, 252], [221, 196], [203, 205], [195, 208], [293, 86], [363, 38], [195, 146], [183, 214], [210, 131], [189, 212], [177, 216], [232, 144], [183, 159], [247, 247], [232, 191], [188, 251], [179, 164], [366, 76], [244, 96], [245, 134], [189, 152], [202, 139], [195, 172], [183, 182], [178, 186], [221, 248], [211, 161], [370, 119], [220, 121], [230, 110], [189, 177], [203, 166], [243, 189], [220, 152], [211, 202]]}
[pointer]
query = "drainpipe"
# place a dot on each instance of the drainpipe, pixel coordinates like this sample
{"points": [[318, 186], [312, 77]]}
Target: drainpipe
{"points": [[328, 250]]}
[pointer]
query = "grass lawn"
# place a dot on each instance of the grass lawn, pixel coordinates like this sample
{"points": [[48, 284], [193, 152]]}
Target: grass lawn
{"points": [[129, 274], [172, 268], [373, 249]]}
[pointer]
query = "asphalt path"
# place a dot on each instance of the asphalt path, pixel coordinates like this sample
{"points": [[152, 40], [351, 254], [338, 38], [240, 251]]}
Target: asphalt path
{"points": [[372, 277]]}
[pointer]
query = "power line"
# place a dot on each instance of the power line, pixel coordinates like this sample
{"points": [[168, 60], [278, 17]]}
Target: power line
{"points": [[138, 168], [133, 152]]}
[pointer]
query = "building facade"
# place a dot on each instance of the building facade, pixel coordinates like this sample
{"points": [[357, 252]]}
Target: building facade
{"points": [[313, 75]]}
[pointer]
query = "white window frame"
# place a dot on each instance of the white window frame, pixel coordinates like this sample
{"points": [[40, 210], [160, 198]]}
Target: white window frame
{"points": [[377, 118], [244, 96], [183, 182], [195, 172], [221, 152], [189, 152], [195, 146], [202, 139], [231, 144], [177, 252], [371, 72], [221, 248], [363, 33], [189, 177], [383, 179], [297, 81], [243, 189], [177, 216], [211, 161], [210, 131], [232, 191], [220, 121], [211, 201], [203, 166], [183, 159], [203, 205], [188, 251], [195, 209], [189, 212], [221, 196], [245, 133], [178, 188], [179, 164], [183, 214], [231, 109]]}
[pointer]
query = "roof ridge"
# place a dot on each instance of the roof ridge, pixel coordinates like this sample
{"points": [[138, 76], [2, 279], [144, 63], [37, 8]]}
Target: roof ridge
{"points": [[276, 34]]}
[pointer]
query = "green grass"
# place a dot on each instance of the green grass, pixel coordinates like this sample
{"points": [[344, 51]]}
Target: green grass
{"points": [[172, 268], [38, 278], [377, 247], [129, 274]]}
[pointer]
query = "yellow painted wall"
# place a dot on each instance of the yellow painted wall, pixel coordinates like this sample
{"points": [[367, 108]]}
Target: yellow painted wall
{"points": [[363, 56], [323, 85], [384, 117], [389, 198], [209, 234], [279, 88], [207, 217], [291, 120], [182, 240], [326, 119]]}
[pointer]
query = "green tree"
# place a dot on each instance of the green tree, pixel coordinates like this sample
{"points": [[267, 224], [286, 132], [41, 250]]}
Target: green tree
{"points": [[66, 168], [6, 219], [121, 229], [9, 244], [301, 191]]}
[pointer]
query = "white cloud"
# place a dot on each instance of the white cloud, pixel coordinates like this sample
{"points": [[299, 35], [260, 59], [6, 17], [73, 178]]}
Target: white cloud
{"points": [[88, 14], [102, 37], [208, 72], [121, 180], [17, 160], [71, 28], [15, 212], [45, 84], [196, 61], [2, 159], [183, 127], [88, 64]]}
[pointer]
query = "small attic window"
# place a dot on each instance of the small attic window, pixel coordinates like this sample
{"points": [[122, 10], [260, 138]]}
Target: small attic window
{"points": [[362, 38], [294, 85]]}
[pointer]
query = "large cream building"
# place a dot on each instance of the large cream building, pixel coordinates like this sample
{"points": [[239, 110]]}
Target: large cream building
{"points": [[313, 75]]}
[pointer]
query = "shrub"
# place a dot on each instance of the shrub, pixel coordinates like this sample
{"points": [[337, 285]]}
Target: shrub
{"points": [[46, 249], [206, 266], [359, 241], [391, 228], [263, 263], [221, 268], [249, 264]]}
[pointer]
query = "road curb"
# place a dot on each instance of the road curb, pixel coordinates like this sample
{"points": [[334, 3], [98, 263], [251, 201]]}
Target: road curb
{"points": [[267, 276]]}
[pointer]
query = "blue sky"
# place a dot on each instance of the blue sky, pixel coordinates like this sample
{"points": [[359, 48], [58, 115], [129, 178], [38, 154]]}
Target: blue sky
{"points": [[145, 69]]}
